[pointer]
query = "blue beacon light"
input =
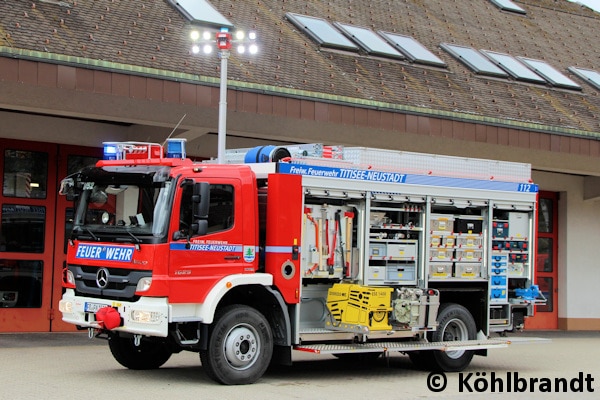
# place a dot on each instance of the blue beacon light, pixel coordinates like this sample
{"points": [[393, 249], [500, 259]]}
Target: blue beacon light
{"points": [[176, 148], [110, 151]]}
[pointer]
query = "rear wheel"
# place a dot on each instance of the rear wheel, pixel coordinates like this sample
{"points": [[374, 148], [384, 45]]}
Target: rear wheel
{"points": [[455, 323], [148, 355], [240, 346]]}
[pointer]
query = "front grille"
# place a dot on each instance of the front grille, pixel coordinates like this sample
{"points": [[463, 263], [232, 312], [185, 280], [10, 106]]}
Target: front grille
{"points": [[121, 283]]}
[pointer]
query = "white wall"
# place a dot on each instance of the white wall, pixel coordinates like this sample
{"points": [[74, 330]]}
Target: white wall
{"points": [[578, 245]]}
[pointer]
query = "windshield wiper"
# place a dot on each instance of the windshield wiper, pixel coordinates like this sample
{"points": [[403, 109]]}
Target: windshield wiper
{"points": [[96, 238], [136, 240]]}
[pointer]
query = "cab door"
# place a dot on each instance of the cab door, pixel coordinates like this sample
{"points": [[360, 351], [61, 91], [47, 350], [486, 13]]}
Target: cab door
{"points": [[198, 263]]}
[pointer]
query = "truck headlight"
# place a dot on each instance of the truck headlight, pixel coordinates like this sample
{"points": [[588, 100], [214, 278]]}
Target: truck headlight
{"points": [[143, 284], [65, 307]]}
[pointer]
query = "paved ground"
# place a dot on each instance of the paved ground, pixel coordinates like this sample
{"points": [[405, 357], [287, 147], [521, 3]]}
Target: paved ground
{"points": [[69, 366]]}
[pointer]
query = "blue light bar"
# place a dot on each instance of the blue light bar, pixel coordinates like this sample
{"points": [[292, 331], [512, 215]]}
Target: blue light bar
{"points": [[111, 151], [176, 148]]}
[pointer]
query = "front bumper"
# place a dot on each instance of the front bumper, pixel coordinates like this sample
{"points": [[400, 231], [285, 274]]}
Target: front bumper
{"points": [[148, 316]]}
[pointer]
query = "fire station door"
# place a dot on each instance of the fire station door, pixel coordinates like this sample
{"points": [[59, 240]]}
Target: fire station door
{"points": [[32, 233]]}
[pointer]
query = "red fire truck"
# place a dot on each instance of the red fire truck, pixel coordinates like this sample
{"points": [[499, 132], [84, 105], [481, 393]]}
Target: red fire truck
{"points": [[350, 251]]}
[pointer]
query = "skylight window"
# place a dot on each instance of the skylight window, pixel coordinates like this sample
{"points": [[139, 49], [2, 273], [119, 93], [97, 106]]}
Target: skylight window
{"points": [[201, 12], [508, 5], [412, 49], [474, 60], [591, 76], [369, 40], [514, 67], [321, 32], [551, 74]]}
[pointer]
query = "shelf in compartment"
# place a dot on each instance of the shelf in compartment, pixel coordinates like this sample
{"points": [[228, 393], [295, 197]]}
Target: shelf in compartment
{"points": [[455, 279], [385, 240], [396, 227], [415, 209]]}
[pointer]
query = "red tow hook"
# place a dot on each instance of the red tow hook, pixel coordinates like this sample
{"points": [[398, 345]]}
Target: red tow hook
{"points": [[108, 318]]}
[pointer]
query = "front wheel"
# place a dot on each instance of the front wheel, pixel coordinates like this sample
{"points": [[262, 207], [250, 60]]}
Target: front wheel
{"points": [[148, 355], [455, 323], [240, 346]]}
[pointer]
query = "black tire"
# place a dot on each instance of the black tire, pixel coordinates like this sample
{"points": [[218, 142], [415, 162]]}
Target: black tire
{"points": [[240, 346], [455, 323], [148, 355]]}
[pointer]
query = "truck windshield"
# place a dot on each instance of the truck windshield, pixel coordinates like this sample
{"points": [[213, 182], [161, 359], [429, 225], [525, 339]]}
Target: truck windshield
{"points": [[122, 206]]}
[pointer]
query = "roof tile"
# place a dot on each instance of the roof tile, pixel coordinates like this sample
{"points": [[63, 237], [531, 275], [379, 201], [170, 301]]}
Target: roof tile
{"points": [[153, 34]]}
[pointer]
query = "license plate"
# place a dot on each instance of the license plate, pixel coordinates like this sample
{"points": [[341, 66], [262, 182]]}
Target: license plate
{"points": [[93, 307]]}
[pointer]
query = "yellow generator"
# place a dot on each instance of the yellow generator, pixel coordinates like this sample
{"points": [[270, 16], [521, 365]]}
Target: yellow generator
{"points": [[359, 308]]}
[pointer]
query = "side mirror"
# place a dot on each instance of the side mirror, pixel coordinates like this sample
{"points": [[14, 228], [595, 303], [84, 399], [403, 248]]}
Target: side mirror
{"points": [[201, 200], [200, 227], [98, 196], [67, 186]]}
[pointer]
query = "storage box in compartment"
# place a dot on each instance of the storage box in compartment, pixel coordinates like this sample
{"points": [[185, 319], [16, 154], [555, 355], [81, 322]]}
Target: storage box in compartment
{"points": [[498, 295], [440, 270], [377, 249], [516, 270], [467, 270], [469, 241], [400, 273], [468, 225], [469, 255], [515, 245], [441, 254], [510, 245], [518, 225], [500, 229], [376, 274], [499, 258], [436, 241], [518, 258], [498, 280], [442, 223], [500, 245], [443, 241], [401, 251], [377, 218]]}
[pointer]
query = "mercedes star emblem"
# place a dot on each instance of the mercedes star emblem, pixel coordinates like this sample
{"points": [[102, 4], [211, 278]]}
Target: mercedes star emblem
{"points": [[102, 278]]}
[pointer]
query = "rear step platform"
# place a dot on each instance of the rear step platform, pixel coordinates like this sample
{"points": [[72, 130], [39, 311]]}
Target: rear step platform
{"points": [[383, 347]]}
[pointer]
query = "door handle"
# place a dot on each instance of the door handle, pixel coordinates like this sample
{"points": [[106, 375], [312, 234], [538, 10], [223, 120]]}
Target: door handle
{"points": [[232, 257]]}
